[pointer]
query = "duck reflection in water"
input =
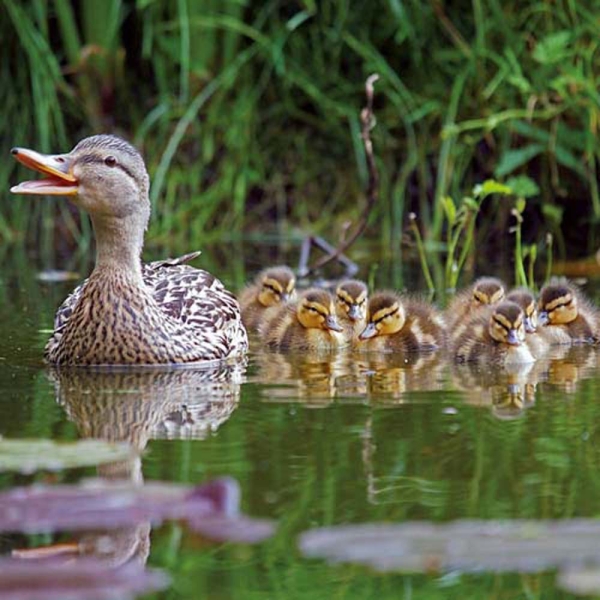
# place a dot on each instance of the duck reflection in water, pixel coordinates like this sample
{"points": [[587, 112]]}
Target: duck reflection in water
{"points": [[134, 406], [318, 378]]}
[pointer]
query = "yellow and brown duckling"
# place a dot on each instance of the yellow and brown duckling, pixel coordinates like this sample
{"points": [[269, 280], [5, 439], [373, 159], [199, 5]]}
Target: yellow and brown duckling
{"points": [[526, 300], [566, 316], [124, 313], [397, 324], [271, 288], [485, 291], [497, 336], [351, 298], [309, 323]]}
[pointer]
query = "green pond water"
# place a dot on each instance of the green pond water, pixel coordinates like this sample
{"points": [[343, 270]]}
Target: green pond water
{"points": [[317, 442]]}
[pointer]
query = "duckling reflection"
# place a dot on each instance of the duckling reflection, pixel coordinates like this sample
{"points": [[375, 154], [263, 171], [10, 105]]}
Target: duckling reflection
{"points": [[564, 370], [506, 391], [313, 378], [135, 405], [390, 377]]}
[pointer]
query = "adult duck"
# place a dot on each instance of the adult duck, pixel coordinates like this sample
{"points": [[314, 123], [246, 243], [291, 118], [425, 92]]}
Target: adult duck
{"points": [[127, 313]]}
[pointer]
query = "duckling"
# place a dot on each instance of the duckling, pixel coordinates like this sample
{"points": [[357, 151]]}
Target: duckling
{"points": [[526, 300], [397, 324], [307, 324], [496, 336], [351, 307], [471, 301], [566, 316], [271, 287]]}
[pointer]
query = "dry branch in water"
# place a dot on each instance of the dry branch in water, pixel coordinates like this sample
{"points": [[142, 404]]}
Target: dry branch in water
{"points": [[367, 119]]}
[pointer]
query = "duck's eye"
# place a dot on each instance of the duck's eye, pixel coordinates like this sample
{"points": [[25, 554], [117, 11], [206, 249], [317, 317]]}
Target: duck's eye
{"points": [[110, 161]]}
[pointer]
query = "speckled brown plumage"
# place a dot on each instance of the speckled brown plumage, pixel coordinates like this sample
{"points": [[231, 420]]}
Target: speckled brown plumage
{"points": [[126, 313]]}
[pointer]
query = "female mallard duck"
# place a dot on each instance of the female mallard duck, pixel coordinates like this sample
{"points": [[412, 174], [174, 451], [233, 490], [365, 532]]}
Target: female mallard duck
{"points": [[307, 324], [270, 288], [351, 307], [396, 324], [472, 300], [566, 316], [526, 300], [497, 336], [123, 314]]}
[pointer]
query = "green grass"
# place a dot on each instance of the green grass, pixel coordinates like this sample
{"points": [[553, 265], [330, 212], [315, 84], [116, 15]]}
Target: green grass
{"points": [[247, 112]]}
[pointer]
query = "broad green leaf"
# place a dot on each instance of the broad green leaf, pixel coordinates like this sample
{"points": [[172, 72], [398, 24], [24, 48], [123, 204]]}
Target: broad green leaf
{"points": [[523, 186], [28, 456], [553, 48], [553, 213], [490, 186], [449, 209], [513, 159]]}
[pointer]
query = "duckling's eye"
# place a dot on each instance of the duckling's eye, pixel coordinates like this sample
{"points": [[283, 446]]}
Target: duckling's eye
{"points": [[110, 161]]}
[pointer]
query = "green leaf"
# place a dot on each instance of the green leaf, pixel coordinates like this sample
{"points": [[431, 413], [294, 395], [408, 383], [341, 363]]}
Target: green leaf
{"points": [[520, 205], [490, 186], [513, 159], [449, 209], [523, 186], [553, 48], [28, 456], [553, 213]]}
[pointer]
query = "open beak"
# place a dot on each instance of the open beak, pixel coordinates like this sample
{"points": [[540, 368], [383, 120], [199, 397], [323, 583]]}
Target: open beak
{"points": [[59, 181], [368, 332], [332, 324]]}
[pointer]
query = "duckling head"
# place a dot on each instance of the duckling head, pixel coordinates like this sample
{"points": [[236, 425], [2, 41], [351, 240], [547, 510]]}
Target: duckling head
{"points": [[488, 290], [385, 316], [351, 300], [557, 305], [525, 299], [316, 310], [506, 324], [277, 285]]}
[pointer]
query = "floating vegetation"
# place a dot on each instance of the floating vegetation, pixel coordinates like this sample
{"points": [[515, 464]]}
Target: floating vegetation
{"points": [[74, 580], [211, 509], [523, 546], [27, 456]]}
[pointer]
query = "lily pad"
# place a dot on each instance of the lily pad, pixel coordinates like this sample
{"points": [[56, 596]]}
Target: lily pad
{"points": [[74, 580], [524, 546], [211, 509], [27, 456]]}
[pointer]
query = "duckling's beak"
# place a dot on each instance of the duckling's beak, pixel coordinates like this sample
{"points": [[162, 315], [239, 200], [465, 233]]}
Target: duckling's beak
{"points": [[284, 297], [354, 312], [332, 324], [368, 332], [543, 318], [59, 181], [512, 337], [529, 325]]}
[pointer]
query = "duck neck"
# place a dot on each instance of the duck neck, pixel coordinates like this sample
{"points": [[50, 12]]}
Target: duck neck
{"points": [[119, 243]]}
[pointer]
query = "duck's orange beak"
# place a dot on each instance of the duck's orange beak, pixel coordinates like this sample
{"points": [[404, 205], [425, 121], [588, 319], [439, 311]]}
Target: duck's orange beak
{"points": [[59, 180]]}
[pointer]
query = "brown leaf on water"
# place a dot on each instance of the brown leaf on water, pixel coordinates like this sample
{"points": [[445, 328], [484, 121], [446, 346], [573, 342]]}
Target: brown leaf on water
{"points": [[212, 509], [83, 579]]}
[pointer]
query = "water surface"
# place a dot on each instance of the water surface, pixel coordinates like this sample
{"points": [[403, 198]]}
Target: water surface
{"points": [[317, 441]]}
